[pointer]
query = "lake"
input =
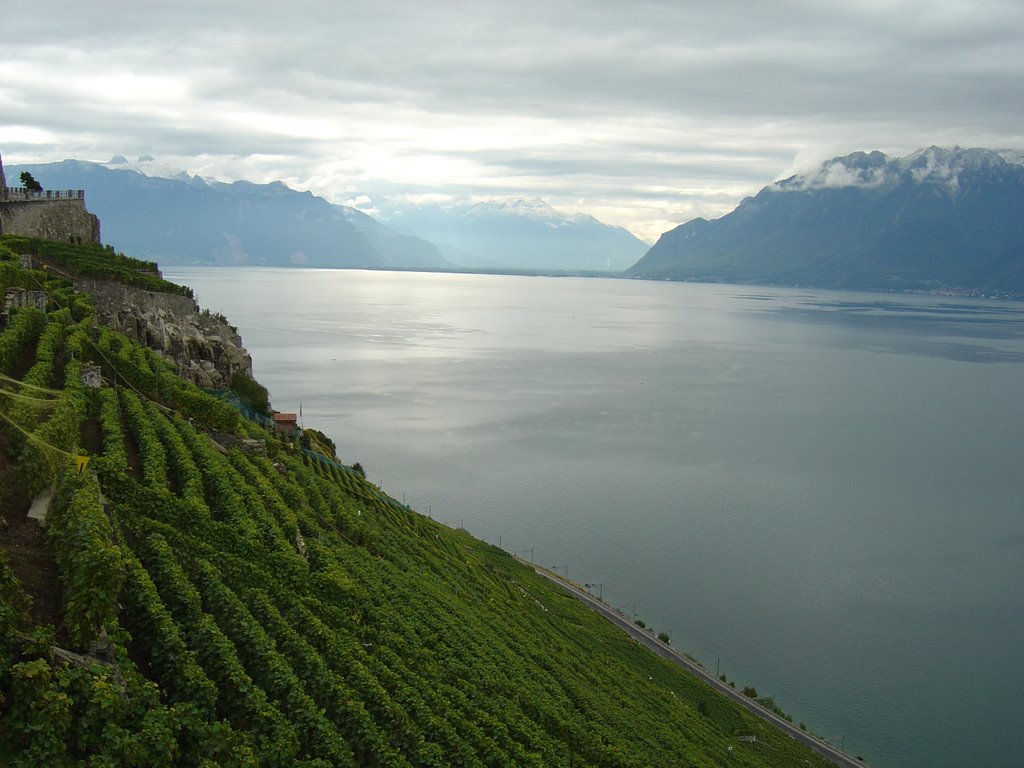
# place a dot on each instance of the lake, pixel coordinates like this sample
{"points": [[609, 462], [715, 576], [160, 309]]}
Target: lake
{"points": [[818, 493]]}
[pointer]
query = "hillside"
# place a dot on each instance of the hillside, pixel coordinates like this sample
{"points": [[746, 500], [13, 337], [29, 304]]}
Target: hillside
{"points": [[188, 220], [210, 592], [940, 219]]}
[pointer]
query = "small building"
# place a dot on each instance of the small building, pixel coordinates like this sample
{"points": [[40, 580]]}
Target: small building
{"points": [[286, 423]]}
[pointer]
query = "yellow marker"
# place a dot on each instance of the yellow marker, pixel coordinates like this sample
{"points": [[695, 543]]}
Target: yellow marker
{"points": [[81, 462]]}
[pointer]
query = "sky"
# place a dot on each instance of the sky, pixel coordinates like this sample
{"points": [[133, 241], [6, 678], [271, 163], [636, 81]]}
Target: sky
{"points": [[642, 114]]}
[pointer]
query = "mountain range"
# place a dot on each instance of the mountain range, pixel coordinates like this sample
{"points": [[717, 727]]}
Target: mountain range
{"points": [[152, 211], [189, 220], [937, 219], [519, 234]]}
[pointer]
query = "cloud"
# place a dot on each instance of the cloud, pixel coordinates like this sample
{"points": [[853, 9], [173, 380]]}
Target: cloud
{"points": [[365, 204], [836, 174], [646, 111]]}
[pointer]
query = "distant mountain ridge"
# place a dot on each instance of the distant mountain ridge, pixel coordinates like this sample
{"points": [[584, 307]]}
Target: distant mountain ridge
{"points": [[941, 218], [152, 210], [182, 219], [518, 234]]}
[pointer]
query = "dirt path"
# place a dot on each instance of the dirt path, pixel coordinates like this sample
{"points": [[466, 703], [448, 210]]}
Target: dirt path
{"points": [[25, 547]]}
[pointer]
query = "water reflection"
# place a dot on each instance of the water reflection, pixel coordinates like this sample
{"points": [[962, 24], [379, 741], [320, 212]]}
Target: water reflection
{"points": [[810, 485], [928, 329]]}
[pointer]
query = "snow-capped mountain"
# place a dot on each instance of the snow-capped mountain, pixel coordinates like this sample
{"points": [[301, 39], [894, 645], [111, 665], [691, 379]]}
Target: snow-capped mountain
{"points": [[518, 234], [941, 218], [147, 165], [938, 165]]}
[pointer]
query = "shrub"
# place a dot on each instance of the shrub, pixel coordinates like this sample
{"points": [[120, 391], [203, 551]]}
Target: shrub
{"points": [[251, 392]]}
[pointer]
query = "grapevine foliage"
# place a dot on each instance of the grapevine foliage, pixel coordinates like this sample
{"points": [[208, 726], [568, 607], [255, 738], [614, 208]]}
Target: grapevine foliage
{"points": [[272, 607]]}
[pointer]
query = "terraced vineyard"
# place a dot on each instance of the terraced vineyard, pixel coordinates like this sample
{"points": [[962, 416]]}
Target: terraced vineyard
{"points": [[240, 601]]}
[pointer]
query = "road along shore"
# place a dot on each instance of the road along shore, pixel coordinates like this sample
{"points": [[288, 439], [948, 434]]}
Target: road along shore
{"points": [[648, 639]]}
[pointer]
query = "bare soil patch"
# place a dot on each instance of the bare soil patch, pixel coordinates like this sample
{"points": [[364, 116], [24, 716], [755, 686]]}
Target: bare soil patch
{"points": [[26, 548]]}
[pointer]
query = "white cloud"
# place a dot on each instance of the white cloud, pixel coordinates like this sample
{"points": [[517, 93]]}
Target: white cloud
{"points": [[934, 167], [643, 114], [836, 174], [360, 201]]}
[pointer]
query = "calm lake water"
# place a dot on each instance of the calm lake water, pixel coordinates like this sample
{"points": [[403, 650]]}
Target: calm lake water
{"points": [[820, 493]]}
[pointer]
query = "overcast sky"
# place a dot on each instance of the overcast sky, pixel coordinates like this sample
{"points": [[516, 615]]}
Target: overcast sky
{"points": [[644, 114]]}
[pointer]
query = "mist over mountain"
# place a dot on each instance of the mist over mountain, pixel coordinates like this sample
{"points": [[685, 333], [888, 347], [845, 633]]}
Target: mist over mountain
{"points": [[518, 234], [937, 219], [184, 219]]}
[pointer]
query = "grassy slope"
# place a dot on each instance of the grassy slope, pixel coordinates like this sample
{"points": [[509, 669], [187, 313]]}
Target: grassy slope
{"points": [[280, 610]]}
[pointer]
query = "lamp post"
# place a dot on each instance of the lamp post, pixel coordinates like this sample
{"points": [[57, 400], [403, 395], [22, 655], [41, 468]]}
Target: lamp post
{"points": [[530, 550], [600, 589], [566, 566]]}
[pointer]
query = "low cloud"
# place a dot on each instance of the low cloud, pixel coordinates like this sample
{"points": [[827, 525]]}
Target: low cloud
{"points": [[836, 174], [645, 113]]}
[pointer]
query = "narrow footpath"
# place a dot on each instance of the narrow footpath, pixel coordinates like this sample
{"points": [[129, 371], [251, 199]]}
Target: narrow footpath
{"points": [[666, 651]]}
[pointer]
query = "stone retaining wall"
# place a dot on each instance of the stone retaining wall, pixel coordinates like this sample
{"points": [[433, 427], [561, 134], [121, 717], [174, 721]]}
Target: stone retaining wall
{"points": [[206, 351], [64, 220]]}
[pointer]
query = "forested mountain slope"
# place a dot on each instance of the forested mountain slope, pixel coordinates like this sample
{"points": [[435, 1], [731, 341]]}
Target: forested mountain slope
{"points": [[231, 596]]}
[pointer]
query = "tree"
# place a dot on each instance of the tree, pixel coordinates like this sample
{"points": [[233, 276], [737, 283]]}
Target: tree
{"points": [[29, 183]]}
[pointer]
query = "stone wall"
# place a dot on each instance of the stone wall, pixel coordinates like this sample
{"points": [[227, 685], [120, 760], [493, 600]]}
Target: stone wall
{"points": [[66, 220], [62, 220], [205, 350]]}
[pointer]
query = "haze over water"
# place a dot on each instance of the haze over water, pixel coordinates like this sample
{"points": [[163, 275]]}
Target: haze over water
{"points": [[821, 492]]}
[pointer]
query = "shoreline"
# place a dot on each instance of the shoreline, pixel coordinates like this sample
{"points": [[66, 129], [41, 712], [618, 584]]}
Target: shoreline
{"points": [[647, 638]]}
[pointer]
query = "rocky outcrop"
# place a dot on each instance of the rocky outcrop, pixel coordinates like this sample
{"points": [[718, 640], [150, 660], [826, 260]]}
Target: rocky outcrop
{"points": [[206, 350]]}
